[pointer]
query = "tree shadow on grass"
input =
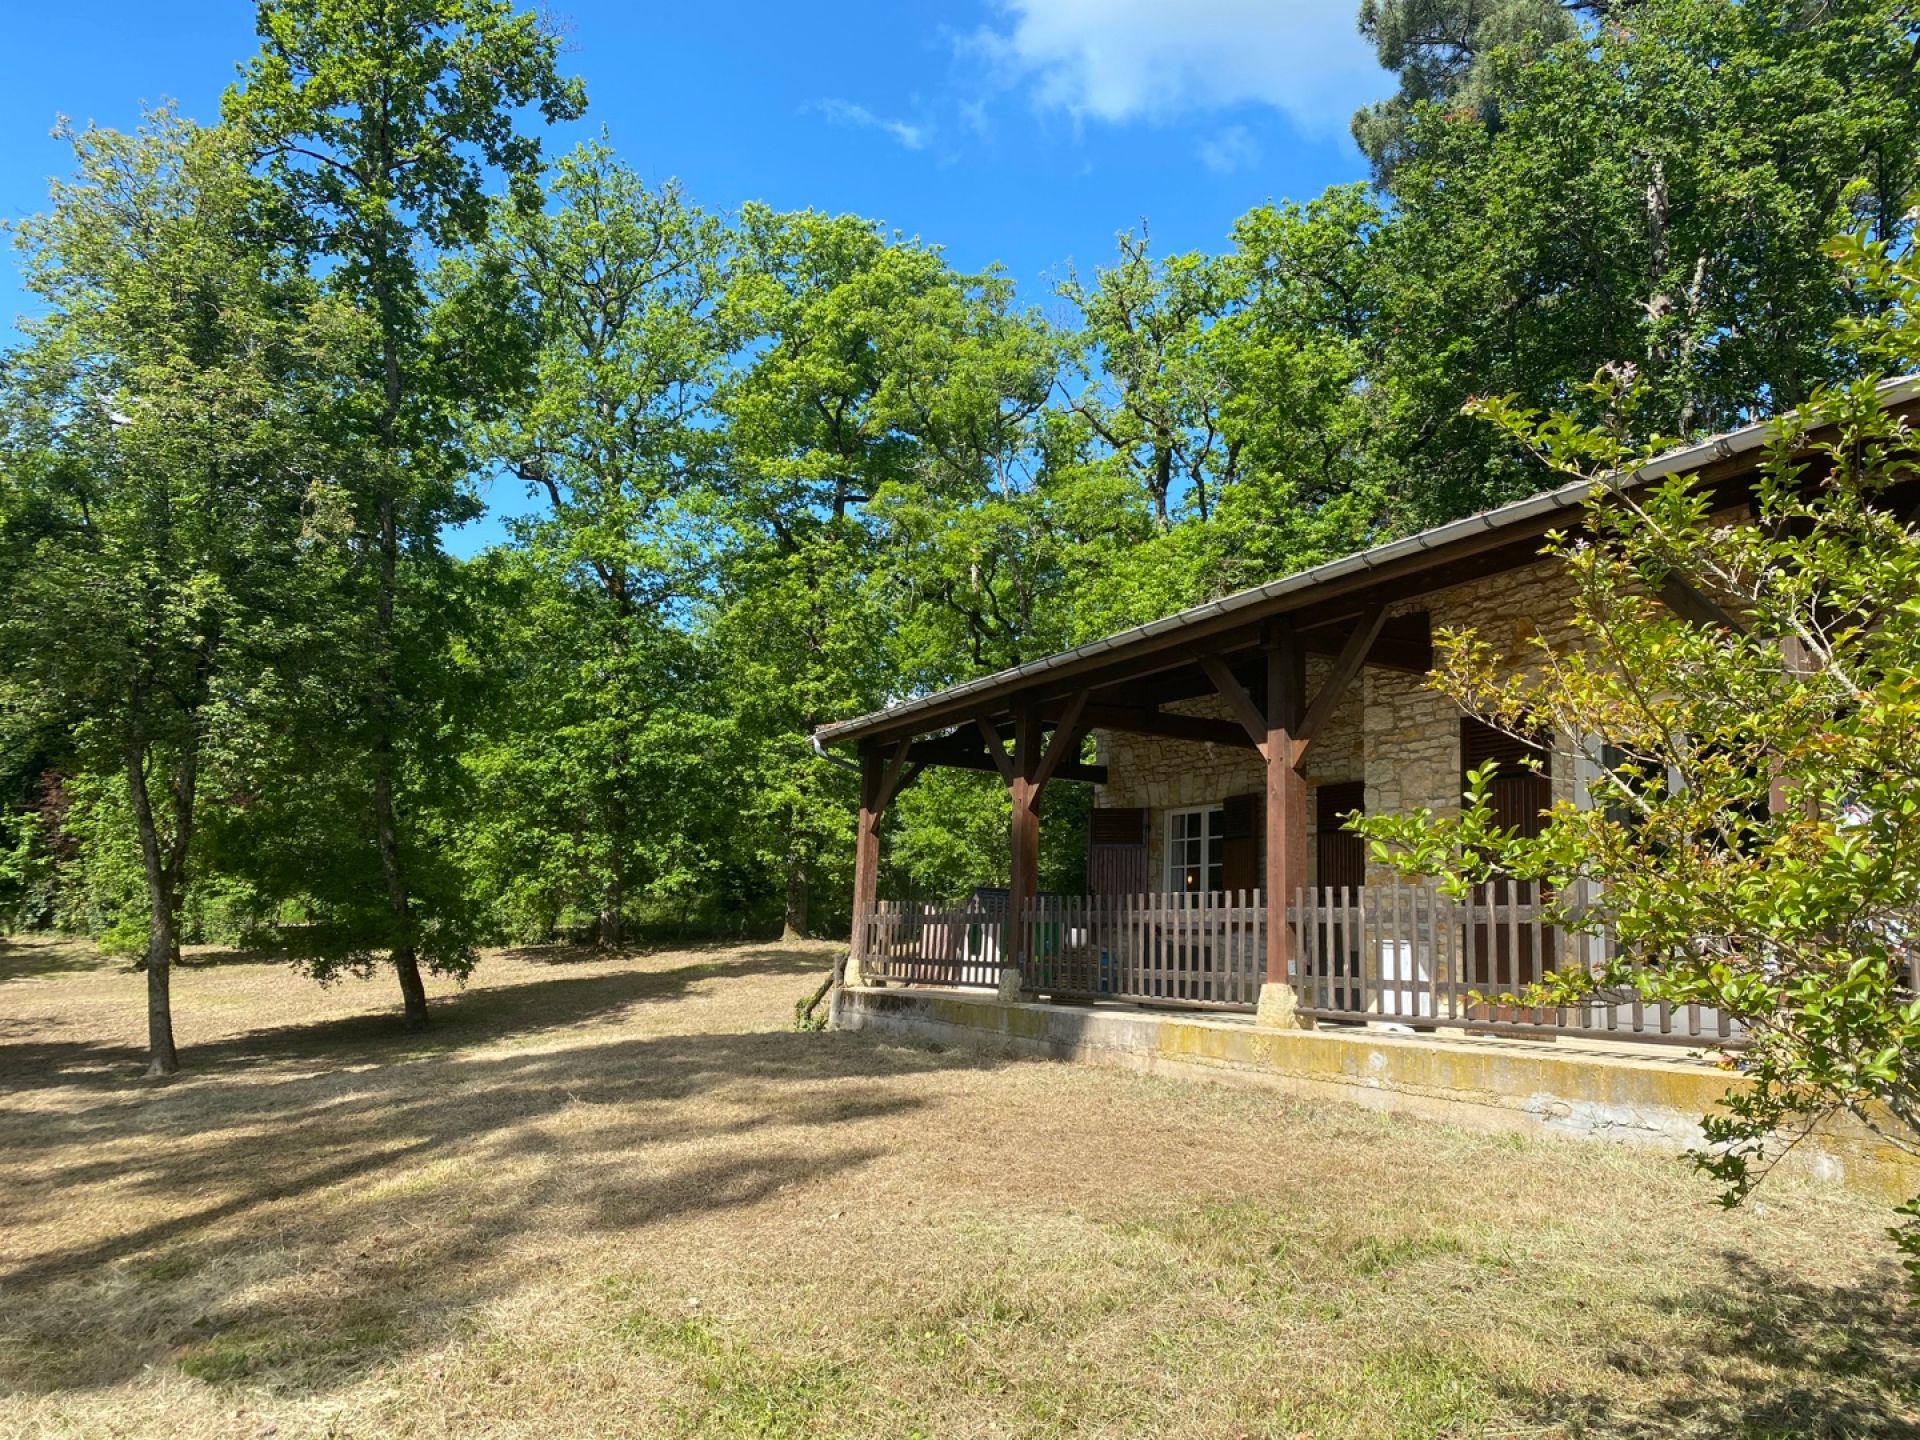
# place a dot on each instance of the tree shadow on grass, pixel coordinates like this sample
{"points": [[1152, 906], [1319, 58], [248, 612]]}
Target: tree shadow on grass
{"points": [[297, 1229], [32, 957], [476, 1015], [1848, 1349]]}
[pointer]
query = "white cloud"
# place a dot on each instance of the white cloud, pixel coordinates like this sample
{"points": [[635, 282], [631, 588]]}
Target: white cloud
{"points": [[1120, 60], [1231, 149], [843, 112], [973, 114]]}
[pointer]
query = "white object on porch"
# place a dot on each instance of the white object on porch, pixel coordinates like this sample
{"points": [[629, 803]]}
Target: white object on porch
{"points": [[1402, 964]]}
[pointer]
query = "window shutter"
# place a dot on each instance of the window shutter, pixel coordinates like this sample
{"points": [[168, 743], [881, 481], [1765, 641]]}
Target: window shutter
{"points": [[1117, 851], [1340, 856], [1243, 832], [1520, 795], [1480, 742]]}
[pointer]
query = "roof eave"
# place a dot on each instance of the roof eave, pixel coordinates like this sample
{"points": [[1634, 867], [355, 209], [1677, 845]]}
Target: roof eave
{"points": [[1515, 514]]}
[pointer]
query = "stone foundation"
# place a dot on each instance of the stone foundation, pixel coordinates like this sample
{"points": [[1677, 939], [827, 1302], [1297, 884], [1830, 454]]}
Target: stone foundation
{"points": [[1547, 1088]]}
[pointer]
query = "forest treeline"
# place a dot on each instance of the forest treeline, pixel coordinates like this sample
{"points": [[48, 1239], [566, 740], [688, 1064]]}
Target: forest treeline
{"points": [[780, 467]]}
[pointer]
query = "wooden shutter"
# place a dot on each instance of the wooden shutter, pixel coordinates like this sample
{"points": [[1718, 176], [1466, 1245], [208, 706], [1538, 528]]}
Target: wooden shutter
{"points": [[1243, 832], [1117, 851], [1521, 795], [1340, 857]]}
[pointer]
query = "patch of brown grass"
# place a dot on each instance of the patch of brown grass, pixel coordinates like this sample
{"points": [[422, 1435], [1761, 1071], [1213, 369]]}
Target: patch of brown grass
{"points": [[619, 1197]]}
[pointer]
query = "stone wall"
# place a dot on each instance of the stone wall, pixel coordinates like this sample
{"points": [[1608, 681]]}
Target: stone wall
{"points": [[1412, 744], [1389, 730]]}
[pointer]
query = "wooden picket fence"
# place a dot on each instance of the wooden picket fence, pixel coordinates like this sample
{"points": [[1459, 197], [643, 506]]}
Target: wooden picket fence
{"points": [[1173, 949], [1407, 953], [1397, 953], [918, 944]]}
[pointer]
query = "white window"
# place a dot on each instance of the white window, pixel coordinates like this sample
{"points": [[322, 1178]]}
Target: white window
{"points": [[1195, 852]]}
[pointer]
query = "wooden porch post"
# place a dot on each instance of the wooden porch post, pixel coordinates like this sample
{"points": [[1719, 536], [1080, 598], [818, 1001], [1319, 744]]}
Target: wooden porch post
{"points": [[882, 777], [866, 844], [1286, 815], [1026, 772], [1023, 786]]}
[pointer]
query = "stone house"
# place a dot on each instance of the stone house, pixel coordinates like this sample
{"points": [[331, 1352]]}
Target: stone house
{"points": [[1230, 742]]}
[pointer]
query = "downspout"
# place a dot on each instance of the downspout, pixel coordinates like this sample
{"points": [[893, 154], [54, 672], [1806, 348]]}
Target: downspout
{"points": [[831, 758]]}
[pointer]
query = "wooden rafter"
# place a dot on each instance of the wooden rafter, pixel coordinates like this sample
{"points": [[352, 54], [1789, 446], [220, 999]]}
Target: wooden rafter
{"points": [[896, 777], [1696, 607], [996, 749], [1143, 720], [1250, 715], [953, 752], [1064, 741], [1346, 665]]}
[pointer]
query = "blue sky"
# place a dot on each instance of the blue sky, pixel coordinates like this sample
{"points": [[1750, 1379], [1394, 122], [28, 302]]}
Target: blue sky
{"points": [[1025, 132]]}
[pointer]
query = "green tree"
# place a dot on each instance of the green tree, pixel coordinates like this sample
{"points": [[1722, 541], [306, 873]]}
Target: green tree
{"points": [[1657, 191], [1753, 840], [155, 443], [1223, 402], [379, 121], [615, 433], [1442, 51], [878, 380]]}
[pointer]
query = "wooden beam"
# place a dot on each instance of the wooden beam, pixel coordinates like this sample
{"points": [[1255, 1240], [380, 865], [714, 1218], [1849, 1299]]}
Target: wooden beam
{"points": [[996, 751], [1346, 665], [941, 753], [1238, 700], [1403, 643], [907, 777], [890, 782], [866, 844], [1138, 720], [1697, 608], [1065, 740], [1023, 873], [1389, 652]]}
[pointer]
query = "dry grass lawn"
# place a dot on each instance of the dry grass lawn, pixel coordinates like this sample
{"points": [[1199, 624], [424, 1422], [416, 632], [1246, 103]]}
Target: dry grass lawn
{"points": [[623, 1197]]}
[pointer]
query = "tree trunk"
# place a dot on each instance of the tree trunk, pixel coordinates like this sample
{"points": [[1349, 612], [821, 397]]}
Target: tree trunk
{"points": [[406, 964], [162, 1058], [413, 993], [613, 900], [793, 925], [609, 929]]}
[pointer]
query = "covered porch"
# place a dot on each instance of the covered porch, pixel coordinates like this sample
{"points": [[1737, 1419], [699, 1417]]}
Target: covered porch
{"points": [[1218, 933], [1229, 742]]}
